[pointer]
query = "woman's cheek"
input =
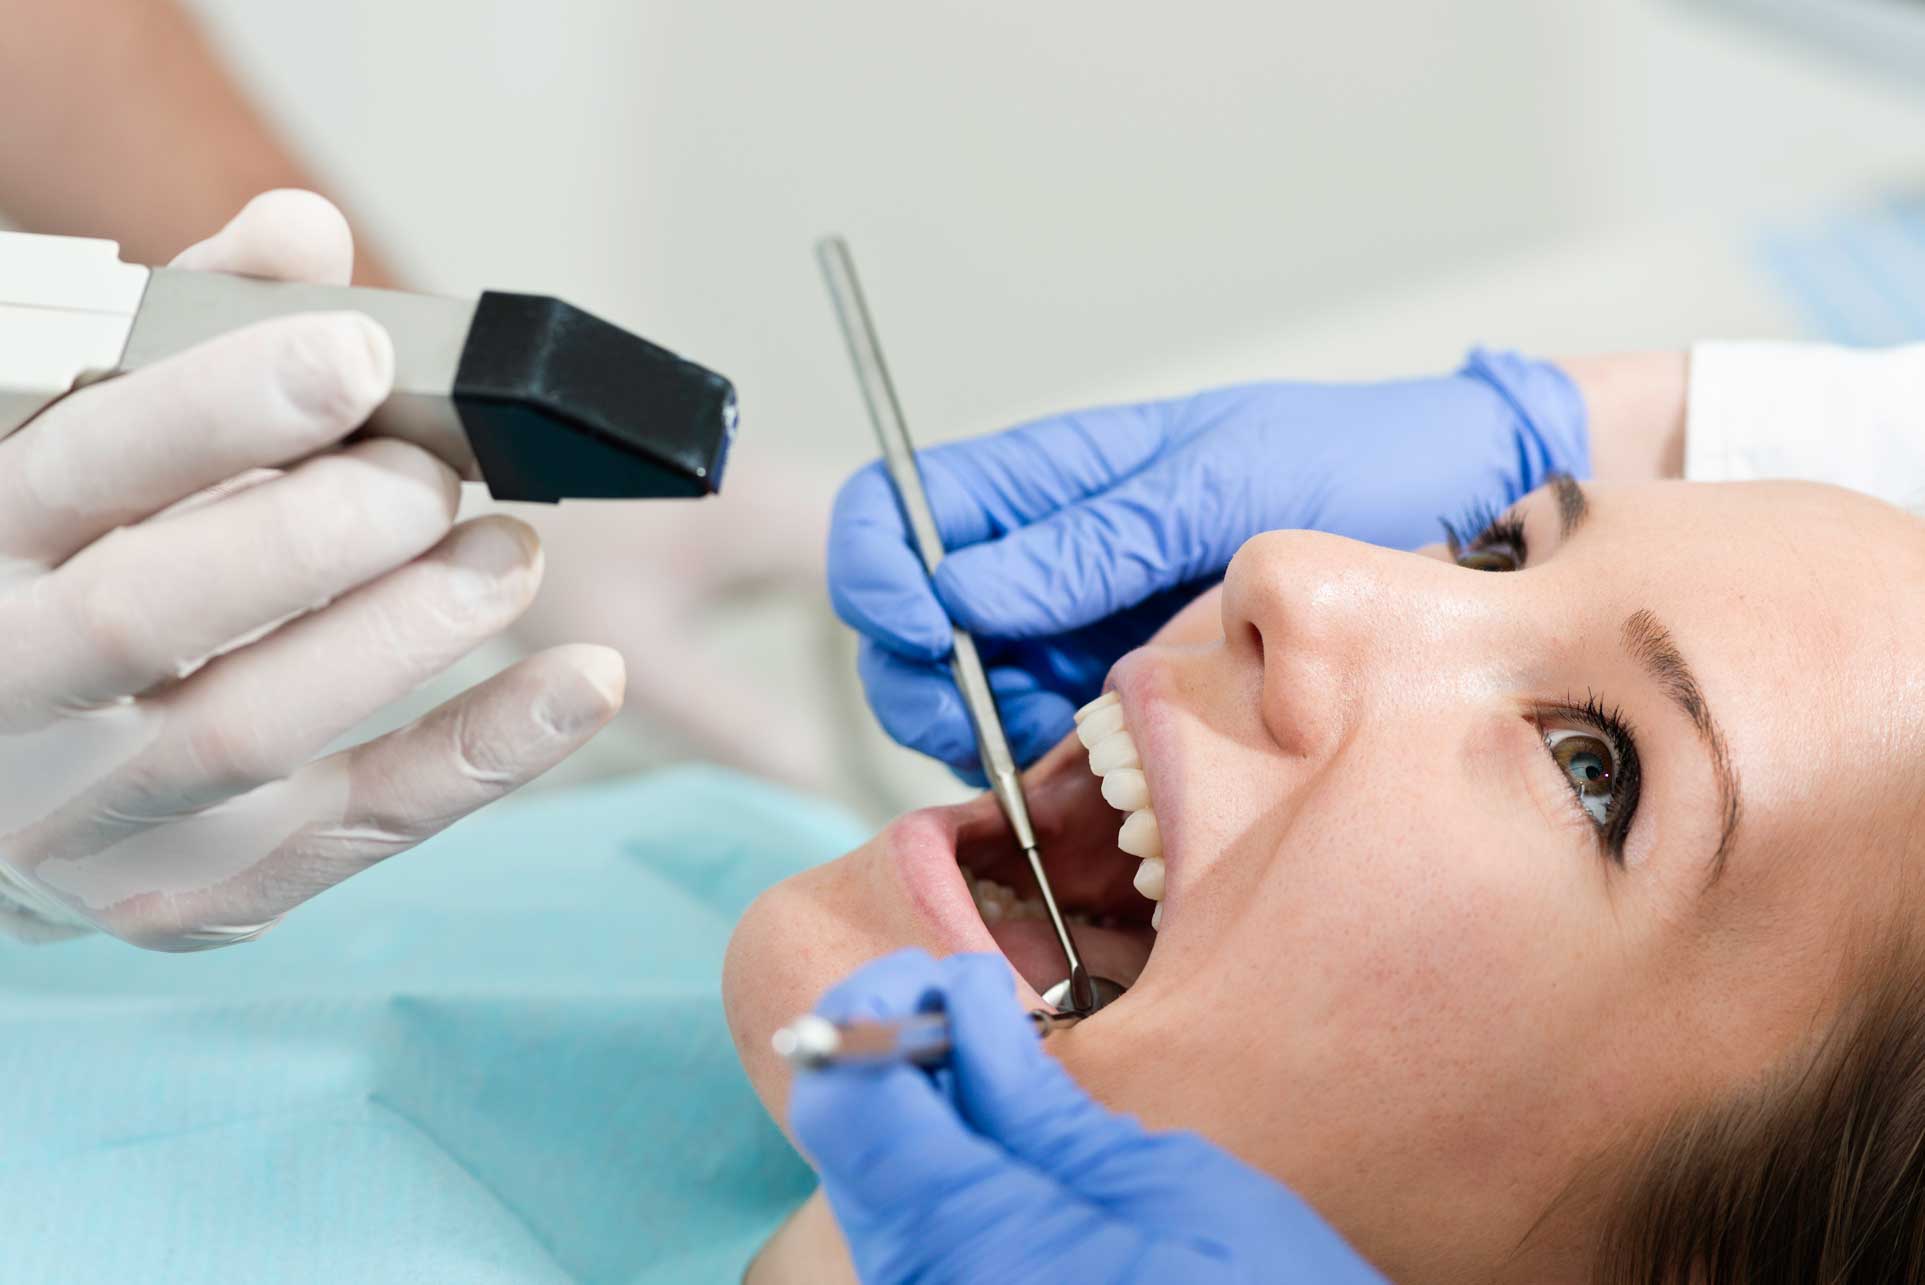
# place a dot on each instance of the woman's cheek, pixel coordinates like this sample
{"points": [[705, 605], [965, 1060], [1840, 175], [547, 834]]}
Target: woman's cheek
{"points": [[1418, 923]]}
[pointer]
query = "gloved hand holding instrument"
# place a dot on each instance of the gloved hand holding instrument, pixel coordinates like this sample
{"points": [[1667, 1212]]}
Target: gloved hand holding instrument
{"points": [[1074, 538], [202, 587], [999, 1168]]}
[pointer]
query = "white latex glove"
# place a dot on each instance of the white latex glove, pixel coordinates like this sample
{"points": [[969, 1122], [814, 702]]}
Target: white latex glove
{"points": [[181, 634]]}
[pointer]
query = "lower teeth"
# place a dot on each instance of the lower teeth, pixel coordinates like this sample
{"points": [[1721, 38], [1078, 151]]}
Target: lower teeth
{"points": [[1000, 903]]}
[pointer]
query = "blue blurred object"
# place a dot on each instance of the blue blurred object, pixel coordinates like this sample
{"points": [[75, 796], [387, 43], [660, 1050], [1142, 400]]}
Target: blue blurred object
{"points": [[1858, 277], [500, 1057], [1001, 1171], [1888, 35], [1072, 539]]}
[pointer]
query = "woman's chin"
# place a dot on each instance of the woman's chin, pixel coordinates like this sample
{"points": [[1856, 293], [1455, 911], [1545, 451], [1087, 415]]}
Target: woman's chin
{"points": [[790, 945]]}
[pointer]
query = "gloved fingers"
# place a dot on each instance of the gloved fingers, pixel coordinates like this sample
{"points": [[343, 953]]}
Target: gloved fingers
{"points": [[228, 873], [409, 785], [919, 707], [1011, 1226], [259, 713], [1011, 1091], [1150, 533], [877, 583], [886, 1137], [889, 1147], [1222, 1201], [286, 235], [1026, 473], [919, 1194], [1206, 1207], [116, 452], [1035, 717], [978, 490], [150, 603], [893, 985]]}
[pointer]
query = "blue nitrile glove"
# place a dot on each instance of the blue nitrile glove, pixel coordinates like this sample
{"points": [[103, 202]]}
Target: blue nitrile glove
{"points": [[1073, 539], [1001, 1170]]}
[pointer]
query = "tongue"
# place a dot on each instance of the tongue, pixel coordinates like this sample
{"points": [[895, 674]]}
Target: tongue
{"points": [[1116, 953]]}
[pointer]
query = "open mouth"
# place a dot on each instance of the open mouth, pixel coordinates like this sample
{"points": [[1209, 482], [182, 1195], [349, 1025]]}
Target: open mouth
{"points": [[1090, 805]]}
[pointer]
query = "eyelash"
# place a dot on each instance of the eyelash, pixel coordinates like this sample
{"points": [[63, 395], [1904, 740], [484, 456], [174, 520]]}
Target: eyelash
{"points": [[1489, 529], [1494, 530], [1610, 725]]}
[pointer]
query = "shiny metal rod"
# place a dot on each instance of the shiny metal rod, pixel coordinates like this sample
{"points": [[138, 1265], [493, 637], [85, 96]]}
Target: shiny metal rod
{"points": [[811, 1043], [899, 456]]}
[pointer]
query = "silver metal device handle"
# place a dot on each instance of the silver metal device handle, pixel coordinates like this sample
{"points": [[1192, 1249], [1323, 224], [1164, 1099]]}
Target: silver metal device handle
{"points": [[183, 308]]}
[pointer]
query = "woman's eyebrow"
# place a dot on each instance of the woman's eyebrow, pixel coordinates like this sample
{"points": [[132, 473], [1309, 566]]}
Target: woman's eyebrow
{"points": [[1572, 507], [1648, 642]]}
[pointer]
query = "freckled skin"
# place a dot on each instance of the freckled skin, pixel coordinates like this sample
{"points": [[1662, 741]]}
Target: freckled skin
{"points": [[1397, 969]]}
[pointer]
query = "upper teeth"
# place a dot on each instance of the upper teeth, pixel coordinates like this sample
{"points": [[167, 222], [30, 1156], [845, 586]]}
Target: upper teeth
{"points": [[1113, 757]]}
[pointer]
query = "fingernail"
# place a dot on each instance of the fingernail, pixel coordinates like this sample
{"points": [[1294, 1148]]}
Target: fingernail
{"points": [[571, 707], [606, 672], [495, 548]]}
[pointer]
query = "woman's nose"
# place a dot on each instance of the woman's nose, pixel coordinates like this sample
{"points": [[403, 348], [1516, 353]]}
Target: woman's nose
{"points": [[1340, 628]]}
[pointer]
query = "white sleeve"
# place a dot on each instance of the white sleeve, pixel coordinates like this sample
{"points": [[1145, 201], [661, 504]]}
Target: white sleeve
{"points": [[1852, 416]]}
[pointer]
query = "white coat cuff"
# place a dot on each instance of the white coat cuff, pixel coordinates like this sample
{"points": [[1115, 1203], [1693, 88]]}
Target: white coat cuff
{"points": [[1817, 412]]}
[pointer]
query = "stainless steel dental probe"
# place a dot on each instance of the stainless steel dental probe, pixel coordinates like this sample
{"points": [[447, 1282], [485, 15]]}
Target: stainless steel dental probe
{"points": [[1084, 993], [812, 1043]]}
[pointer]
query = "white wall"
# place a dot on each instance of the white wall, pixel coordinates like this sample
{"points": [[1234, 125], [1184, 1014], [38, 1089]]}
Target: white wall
{"points": [[1048, 200]]}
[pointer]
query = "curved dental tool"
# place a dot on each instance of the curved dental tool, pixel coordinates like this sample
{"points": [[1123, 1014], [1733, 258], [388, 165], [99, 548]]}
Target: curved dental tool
{"points": [[1081, 993]]}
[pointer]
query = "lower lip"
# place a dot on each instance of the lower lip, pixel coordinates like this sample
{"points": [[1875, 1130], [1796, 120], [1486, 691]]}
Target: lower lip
{"points": [[921, 851]]}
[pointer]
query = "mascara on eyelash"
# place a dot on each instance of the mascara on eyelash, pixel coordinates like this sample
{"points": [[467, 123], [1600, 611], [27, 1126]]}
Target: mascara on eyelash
{"points": [[1489, 527]]}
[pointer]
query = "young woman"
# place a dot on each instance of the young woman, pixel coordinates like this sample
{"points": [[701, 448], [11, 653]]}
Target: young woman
{"points": [[1539, 908]]}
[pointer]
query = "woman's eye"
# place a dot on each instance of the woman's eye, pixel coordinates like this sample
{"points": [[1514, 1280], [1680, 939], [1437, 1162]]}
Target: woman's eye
{"points": [[1498, 544], [1588, 763], [1496, 558]]}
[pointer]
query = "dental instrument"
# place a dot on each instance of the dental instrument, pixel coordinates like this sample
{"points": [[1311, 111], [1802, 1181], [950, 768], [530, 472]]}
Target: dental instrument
{"points": [[810, 1042], [1080, 992], [537, 398]]}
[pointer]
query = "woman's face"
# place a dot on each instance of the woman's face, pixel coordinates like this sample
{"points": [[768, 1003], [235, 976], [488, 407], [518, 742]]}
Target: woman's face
{"points": [[1472, 872]]}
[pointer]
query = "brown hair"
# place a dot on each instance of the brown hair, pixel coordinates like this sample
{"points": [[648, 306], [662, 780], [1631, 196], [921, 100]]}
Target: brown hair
{"points": [[1815, 1178]]}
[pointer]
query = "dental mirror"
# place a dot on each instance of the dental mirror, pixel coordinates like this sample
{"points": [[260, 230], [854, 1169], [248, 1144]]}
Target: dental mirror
{"points": [[1058, 996]]}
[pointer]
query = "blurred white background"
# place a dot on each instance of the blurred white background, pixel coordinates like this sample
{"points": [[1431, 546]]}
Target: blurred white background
{"points": [[1085, 199], [1055, 201]]}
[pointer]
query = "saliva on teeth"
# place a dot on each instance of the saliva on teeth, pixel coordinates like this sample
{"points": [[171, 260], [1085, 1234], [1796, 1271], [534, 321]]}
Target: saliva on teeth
{"points": [[1113, 757]]}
